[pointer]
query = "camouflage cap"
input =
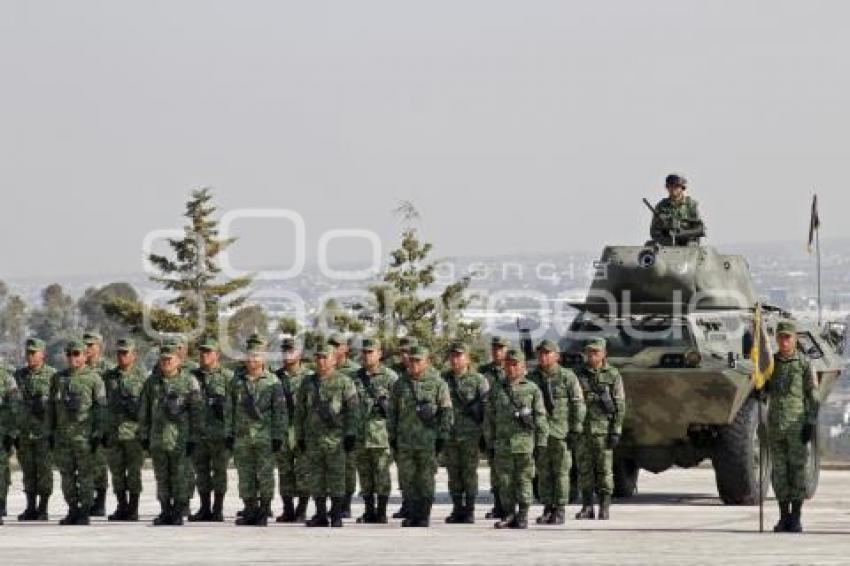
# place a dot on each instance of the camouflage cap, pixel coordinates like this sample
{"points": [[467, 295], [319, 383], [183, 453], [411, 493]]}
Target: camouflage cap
{"points": [[596, 344], [325, 350], [208, 343], [676, 180], [548, 346], [288, 343], [338, 339], [419, 352], [92, 337], [407, 342], [174, 340], [499, 342], [515, 355], [34, 344], [255, 340], [459, 348], [370, 344], [168, 350], [125, 345], [786, 327], [75, 345]]}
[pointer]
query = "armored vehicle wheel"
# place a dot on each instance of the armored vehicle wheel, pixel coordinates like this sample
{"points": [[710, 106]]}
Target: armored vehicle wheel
{"points": [[625, 477], [813, 466], [736, 456]]}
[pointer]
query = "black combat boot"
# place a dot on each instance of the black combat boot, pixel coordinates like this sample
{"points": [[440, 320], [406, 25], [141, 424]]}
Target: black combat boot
{"points": [[781, 526], [3, 509], [413, 511], [368, 515], [508, 519], [29, 513], [204, 512], [381, 512], [546, 517], [521, 518], [586, 511], [71, 517], [179, 509], [425, 513], [469, 509], [320, 519], [121, 510], [404, 511], [346, 506], [337, 506], [41, 510], [98, 507], [132, 508], [456, 516], [794, 524], [604, 506], [249, 517], [301, 509], [263, 513], [82, 518], [164, 517], [558, 516], [288, 515], [496, 512]]}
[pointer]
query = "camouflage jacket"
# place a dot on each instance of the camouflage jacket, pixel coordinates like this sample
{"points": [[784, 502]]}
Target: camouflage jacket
{"points": [[291, 382], [326, 409], [420, 412], [349, 368], [34, 387], [256, 411], [792, 393], [170, 415], [469, 394], [604, 398], [516, 418], [215, 388], [374, 390], [681, 216], [563, 398], [10, 401], [77, 405], [123, 400], [492, 373]]}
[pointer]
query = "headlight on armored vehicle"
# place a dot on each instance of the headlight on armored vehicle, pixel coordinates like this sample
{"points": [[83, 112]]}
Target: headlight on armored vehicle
{"points": [[693, 358]]}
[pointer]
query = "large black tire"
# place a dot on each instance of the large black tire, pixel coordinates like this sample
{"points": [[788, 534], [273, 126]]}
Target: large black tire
{"points": [[625, 477], [813, 466], [736, 456]]}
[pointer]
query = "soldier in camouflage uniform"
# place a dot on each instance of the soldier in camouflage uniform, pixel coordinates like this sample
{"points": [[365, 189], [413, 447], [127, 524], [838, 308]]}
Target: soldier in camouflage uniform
{"points": [[212, 454], [94, 360], [124, 452], [187, 365], [605, 400], [374, 382], [76, 420], [169, 424], [10, 400], [565, 412], [399, 366], [792, 423], [348, 367], [255, 426], [493, 371], [420, 423], [517, 432], [293, 473], [326, 432], [677, 220], [35, 455], [469, 391]]}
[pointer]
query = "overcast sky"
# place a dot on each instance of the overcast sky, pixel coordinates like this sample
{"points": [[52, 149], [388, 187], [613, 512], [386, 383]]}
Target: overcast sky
{"points": [[516, 126]]}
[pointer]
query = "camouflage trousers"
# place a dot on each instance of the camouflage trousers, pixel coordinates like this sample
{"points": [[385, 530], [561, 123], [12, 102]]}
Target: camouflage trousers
{"points": [[169, 469], [76, 465], [595, 464], [515, 474], [126, 458], [327, 470], [36, 462], [553, 473], [4, 474], [350, 475], [461, 461], [293, 474], [788, 456], [209, 464], [255, 462], [101, 470], [418, 467], [373, 467]]}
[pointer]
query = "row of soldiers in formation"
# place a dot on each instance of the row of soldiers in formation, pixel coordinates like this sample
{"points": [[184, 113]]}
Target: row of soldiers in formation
{"points": [[320, 424]]}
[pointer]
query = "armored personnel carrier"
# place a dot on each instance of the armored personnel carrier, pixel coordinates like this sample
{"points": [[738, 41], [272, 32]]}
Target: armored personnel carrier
{"points": [[678, 321]]}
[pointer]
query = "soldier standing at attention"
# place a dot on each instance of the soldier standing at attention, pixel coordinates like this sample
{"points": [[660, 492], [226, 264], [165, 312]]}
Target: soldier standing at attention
{"points": [[293, 473], [349, 368], [326, 429], [420, 422], [517, 429], [169, 423], [34, 451], [95, 362], [374, 382], [400, 367], [255, 425], [605, 400], [792, 423], [10, 399], [212, 454], [469, 391], [124, 452], [565, 412], [677, 220], [181, 346], [494, 371], [77, 406]]}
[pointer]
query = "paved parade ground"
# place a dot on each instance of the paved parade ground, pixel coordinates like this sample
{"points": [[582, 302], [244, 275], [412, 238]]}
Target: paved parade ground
{"points": [[676, 519]]}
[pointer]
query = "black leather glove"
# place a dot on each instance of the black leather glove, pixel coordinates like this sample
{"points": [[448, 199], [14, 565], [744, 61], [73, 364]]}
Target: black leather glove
{"points": [[146, 444], [613, 440], [492, 454], [229, 442], [190, 448], [8, 442], [393, 445], [348, 443], [105, 441], [51, 441], [94, 444], [438, 445], [16, 442], [482, 444], [807, 433], [277, 445], [302, 445]]}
